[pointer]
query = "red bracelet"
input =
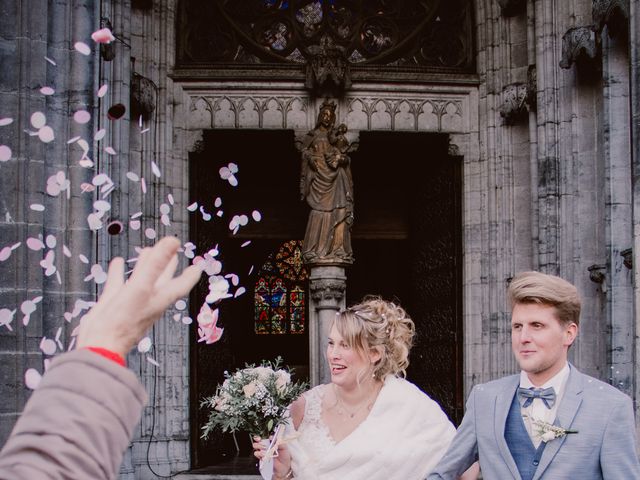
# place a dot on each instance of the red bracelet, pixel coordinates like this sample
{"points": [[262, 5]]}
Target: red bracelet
{"points": [[113, 356]]}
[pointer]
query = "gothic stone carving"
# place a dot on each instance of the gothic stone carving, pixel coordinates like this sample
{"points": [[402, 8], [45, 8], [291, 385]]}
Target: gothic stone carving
{"points": [[143, 96], [597, 273], [327, 289], [612, 13], [514, 102], [328, 65], [512, 7], [579, 44], [532, 88]]}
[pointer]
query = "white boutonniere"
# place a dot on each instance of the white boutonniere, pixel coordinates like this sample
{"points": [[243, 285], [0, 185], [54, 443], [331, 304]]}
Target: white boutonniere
{"points": [[546, 431]]}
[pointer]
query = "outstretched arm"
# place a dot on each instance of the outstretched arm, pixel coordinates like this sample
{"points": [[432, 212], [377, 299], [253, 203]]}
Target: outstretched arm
{"points": [[79, 421]]}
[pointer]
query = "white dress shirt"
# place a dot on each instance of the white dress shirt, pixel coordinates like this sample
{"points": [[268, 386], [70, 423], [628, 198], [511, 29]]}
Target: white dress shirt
{"points": [[538, 410]]}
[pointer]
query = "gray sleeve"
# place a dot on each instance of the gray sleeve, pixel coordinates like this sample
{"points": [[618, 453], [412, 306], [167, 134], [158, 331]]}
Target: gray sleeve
{"points": [[78, 422], [463, 451], [618, 456]]}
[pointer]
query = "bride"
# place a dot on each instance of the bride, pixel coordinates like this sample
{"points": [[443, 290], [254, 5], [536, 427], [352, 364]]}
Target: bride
{"points": [[369, 423]]}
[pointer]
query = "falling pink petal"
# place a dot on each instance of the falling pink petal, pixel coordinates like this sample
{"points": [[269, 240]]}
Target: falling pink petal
{"points": [[110, 151], [5, 253], [37, 207], [32, 378], [165, 209], [103, 35], [181, 305], [34, 244], [150, 233], [98, 274], [38, 120], [5, 121], [133, 176], [87, 187], [250, 271], [144, 345], [83, 259], [5, 153], [170, 199], [218, 202], [155, 169], [257, 216], [46, 134], [83, 48], [51, 241], [66, 251], [86, 163], [6, 317], [239, 292], [248, 242], [94, 222], [134, 225], [100, 179], [143, 185], [81, 117], [47, 91], [103, 90], [99, 135], [136, 215], [193, 207], [47, 346], [152, 361], [50, 61], [102, 205], [165, 220]]}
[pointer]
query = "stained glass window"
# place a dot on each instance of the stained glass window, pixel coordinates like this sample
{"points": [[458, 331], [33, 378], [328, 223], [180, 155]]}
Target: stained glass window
{"points": [[280, 292]]}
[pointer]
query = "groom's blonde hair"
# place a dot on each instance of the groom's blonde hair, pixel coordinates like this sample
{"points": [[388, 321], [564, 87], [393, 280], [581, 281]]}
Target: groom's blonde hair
{"points": [[540, 288]]}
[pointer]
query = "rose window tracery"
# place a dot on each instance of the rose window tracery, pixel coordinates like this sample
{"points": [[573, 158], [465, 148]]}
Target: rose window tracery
{"points": [[430, 33]]}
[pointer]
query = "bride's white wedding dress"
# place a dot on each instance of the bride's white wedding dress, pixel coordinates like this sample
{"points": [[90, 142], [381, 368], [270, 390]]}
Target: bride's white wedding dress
{"points": [[403, 437]]}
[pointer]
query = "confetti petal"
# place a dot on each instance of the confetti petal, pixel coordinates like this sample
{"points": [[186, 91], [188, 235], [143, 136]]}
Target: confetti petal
{"points": [[193, 207], [37, 207], [51, 241], [47, 91], [150, 233], [32, 378], [83, 48], [102, 205], [50, 61], [218, 202], [46, 134], [5, 121], [5, 153], [110, 151], [181, 305], [48, 346], [102, 91], [99, 134], [103, 35], [38, 120], [257, 216], [155, 169], [144, 345], [5, 253], [134, 225], [133, 176], [81, 117], [34, 244]]}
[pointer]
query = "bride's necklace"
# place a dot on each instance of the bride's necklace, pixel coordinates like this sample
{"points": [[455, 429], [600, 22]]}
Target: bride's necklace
{"points": [[342, 409]]}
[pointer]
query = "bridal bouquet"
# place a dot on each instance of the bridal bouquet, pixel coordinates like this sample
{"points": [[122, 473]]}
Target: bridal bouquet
{"points": [[253, 399]]}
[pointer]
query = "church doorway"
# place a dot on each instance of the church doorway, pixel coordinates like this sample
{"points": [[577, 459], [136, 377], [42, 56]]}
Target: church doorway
{"points": [[406, 242]]}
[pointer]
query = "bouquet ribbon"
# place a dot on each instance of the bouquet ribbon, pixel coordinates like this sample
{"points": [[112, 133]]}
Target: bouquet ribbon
{"points": [[266, 463]]}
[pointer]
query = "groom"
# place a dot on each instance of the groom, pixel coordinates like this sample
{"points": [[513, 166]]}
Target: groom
{"points": [[550, 421]]}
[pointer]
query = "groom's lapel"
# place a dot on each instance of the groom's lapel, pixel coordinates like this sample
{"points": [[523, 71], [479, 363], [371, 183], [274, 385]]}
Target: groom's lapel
{"points": [[566, 413], [503, 401]]}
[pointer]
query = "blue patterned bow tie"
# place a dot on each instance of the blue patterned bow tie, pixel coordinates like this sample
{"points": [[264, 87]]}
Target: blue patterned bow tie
{"points": [[547, 395]]}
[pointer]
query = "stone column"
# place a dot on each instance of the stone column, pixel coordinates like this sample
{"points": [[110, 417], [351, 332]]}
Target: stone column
{"points": [[327, 285]]}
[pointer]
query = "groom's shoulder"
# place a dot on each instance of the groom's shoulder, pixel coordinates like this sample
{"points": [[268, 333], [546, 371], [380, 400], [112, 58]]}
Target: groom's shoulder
{"points": [[598, 388], [496, 385]]}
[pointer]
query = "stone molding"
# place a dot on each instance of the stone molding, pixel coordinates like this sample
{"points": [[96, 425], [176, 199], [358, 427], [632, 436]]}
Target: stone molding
{"points": [[327, 289], [514, 102], [579, 45], [612, 13], [427, 112]]}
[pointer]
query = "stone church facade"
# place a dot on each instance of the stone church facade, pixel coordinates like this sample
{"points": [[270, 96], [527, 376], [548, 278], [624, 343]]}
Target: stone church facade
{"points": [[538, 104]]}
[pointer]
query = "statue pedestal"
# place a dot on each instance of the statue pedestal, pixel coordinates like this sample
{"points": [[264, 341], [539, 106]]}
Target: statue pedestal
{"points": [[327, 286]]}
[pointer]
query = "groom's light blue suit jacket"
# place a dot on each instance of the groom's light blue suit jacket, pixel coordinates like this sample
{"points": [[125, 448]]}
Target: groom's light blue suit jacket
{"points": [[603, 448]]}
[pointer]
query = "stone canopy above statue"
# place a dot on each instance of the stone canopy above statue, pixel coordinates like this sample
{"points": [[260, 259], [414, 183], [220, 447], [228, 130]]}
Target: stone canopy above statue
{"points": [[432, 34]]}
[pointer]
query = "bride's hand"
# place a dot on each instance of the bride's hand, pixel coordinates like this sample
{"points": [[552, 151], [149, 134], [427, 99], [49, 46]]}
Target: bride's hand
{"points": [[281, 462]]}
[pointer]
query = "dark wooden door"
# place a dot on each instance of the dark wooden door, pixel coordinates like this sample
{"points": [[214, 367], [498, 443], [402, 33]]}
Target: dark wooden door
{"points": [[408, 248]]}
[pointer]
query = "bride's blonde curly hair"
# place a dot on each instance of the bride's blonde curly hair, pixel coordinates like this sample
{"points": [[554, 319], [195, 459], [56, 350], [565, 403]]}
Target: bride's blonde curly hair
{"points": [[379, 324]]}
